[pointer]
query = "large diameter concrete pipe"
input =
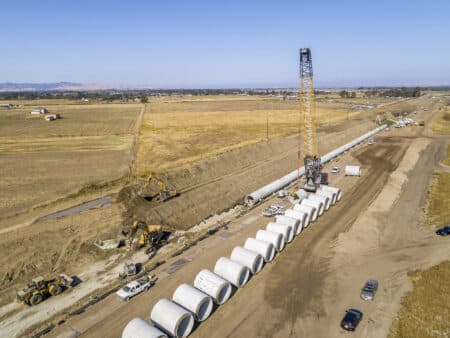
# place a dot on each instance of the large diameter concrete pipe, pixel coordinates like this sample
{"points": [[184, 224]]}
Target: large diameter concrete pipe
{"points": [[266, 249], [333, 189], [172, 318], [325, 200], [213, 285], [286, 230], [303, 217], [331, 195], [139, 328], [192, 299], [252, 260], [301, 194], [270, 188], [272, 237], [293, 222], [236, 273], [316, 204], [311, 211], [353, 170]]}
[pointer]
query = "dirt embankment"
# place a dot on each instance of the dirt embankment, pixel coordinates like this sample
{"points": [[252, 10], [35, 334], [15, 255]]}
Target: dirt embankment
{"points": [[213, 185]]}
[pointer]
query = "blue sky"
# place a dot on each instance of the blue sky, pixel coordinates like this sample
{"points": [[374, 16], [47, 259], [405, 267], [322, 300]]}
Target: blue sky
{"points": [[225, 43]]}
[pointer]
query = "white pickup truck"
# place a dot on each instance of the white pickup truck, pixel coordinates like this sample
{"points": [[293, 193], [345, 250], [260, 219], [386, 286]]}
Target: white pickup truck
{"points": [[135, 287]]}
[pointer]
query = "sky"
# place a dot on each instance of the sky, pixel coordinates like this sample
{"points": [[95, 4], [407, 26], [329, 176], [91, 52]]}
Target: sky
{"points": [[225, 44]]}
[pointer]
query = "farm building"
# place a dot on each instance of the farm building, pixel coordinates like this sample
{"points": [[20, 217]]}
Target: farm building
{"points": [[6, 106], [39, 110]]}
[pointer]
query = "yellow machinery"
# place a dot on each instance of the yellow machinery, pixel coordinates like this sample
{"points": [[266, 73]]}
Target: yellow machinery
{"points": [[40, 289], [148, 235], [309, 147], [165, 192]]}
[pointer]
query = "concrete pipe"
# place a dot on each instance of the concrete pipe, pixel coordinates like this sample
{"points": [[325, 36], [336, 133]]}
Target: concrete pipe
{"points": [[303, 218], [236, 273], [331, 195], [192, 299], [139, 328], [301, 194], [286, 230], [172, 318], [269, 189], [213, 285], [353, 170], [316, 204], [265, 249], [252, 260], [311, 211], [286, 220], [272, 237], [325, 200], [333, 189]]}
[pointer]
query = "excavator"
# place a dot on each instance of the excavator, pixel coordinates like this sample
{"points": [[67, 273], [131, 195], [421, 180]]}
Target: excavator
{"points": [[165, 192], [40, 289], [151, 235]]}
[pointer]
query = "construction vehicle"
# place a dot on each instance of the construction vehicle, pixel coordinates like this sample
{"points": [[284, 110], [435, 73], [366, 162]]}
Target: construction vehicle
{"points": [[151, 235], [164, 193], [40, 289], [309, 148], [129, 269]]}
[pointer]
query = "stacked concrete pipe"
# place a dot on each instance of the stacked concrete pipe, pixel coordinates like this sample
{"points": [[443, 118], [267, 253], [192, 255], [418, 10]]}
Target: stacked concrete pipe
{"points": [[198, 303], [172, 318]]}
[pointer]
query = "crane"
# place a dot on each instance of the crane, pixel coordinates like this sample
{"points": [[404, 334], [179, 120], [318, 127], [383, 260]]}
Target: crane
{"points": [[308, 135]]}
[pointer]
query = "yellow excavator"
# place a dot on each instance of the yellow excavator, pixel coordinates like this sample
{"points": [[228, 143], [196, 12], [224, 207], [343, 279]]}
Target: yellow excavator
{"points": [[165, 192], [151, 235]]}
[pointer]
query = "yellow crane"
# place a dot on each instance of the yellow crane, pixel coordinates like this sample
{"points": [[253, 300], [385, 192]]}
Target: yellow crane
{"points": [[308, 148]]}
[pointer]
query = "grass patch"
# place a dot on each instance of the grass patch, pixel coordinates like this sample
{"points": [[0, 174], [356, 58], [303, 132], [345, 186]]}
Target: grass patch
{"points": [[426, 309], [442, 124], [437, 212], [446, 159]]}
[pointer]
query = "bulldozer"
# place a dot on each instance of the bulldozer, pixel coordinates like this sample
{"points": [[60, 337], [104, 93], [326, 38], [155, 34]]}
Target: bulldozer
{"points": [[151, 235], [164, 193], [40, 289]]}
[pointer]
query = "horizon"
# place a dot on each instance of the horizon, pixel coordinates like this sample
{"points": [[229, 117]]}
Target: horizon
{"points": [[234, 45]]}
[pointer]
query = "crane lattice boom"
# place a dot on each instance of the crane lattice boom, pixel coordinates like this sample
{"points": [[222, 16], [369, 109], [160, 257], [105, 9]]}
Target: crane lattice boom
{"points": [[308, 122]]}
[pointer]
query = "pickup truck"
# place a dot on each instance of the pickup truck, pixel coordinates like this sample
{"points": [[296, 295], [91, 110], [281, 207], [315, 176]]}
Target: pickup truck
{"points": [[136, 287]]}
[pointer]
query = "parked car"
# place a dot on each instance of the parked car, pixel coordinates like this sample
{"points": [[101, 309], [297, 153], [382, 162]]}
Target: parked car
{"points": [[336, 170], [351, 319], [444, 231], [371, 142], [273, 210], [369, 289], [136, 287]]}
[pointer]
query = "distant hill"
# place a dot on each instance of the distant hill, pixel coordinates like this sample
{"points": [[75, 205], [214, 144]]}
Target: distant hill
{"points": [[12, 86]]}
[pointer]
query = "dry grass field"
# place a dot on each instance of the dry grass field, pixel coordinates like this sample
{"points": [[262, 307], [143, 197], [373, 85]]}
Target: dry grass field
{"points": [[180, 130], [441, 125], [44, 161], [425, 309]]}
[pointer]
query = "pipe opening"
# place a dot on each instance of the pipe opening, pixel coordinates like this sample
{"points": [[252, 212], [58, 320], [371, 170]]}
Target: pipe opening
{"points": [[185, 326], [205, 309], [224, 294]]}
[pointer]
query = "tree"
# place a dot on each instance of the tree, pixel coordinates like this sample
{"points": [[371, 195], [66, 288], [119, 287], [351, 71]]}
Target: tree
{"points": [[144, 99]]}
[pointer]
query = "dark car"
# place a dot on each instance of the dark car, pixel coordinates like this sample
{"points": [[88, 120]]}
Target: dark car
{"points": [[351, 319], [369, 290], [444, 231]]}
